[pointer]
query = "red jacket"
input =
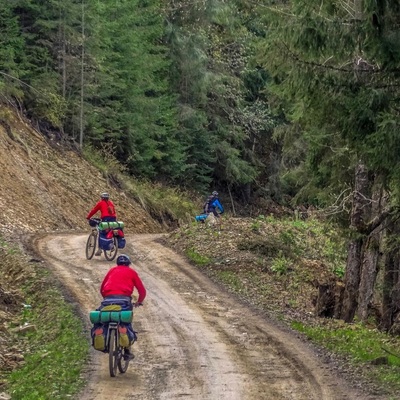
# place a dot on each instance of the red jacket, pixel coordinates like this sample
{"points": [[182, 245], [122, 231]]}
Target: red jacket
{"points": [[106, 208], [122, 280]]}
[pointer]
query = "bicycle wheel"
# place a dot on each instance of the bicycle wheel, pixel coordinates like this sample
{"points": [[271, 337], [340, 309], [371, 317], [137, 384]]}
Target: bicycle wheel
{"points": [[113, 353], [122, 363], [91, 245], [111, 254]]}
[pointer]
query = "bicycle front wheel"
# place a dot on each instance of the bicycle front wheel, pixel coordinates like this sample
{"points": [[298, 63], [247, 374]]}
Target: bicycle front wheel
{"points": [[113, 353], [91, 245], [112, 253]]}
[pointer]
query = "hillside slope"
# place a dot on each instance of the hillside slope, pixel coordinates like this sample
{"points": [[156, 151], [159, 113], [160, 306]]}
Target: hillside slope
{"points": [[45, 187]]}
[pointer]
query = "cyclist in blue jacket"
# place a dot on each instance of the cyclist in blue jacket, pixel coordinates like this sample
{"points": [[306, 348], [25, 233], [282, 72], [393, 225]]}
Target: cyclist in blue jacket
{"points": [[212, 204]]}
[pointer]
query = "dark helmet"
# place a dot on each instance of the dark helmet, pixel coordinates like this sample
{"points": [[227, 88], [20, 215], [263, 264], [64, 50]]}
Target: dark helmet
{"points": [[105, 196], [215, 194], [123, 259]]}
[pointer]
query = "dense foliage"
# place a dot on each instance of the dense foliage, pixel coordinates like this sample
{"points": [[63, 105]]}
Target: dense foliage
{"points": [[281, 99], [170, 86], [335, 73]]}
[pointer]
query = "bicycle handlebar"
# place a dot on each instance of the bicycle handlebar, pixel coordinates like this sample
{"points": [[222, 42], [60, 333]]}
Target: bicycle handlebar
{"points": [[93, 222]]}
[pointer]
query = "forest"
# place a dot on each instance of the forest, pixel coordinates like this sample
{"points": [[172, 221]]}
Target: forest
{"points": [[293, 101]]}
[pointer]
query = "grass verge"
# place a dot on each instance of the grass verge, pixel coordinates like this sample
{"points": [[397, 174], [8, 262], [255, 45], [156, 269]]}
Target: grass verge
{"points": [[375, 352], [48, 334]]}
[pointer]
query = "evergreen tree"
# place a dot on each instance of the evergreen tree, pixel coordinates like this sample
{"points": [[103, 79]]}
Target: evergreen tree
{"points": [[211, 51], [49, 30], [132, 104], [335, 71], [11, 53]]}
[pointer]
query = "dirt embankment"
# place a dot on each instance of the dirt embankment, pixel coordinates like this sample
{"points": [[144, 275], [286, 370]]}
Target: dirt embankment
{"points": [[47, 187], [44, 187]]}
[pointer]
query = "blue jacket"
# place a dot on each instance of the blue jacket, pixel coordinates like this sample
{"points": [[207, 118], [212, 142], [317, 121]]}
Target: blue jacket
{"points": [[213, 204]]}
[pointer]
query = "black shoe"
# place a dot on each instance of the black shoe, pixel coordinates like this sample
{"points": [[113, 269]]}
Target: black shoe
{"points": [[128, 355]]}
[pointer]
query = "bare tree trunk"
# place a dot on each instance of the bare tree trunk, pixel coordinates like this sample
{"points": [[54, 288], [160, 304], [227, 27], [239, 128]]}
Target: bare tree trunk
{"points": [[388, 283], [358, 8], [395, 328], [359, 213], [247, 192], [63, 65], [61, 53], [370, 258], [391, 284], [369, 271], [233, 204], [361, 198], [352, 280]]}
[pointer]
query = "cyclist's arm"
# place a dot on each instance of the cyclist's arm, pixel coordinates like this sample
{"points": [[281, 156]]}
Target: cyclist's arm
{"points": [[103, 283], [93, 210], [139, 287]]}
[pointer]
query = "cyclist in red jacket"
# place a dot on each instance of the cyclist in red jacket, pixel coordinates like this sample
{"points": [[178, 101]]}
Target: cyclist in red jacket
{"points": [[121, 281], [106, 208], [107, 212], [117, 288]]}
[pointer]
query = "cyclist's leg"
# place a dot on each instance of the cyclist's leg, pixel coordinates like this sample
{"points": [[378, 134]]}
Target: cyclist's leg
{"points": [[128, 354], [99, 249], [217, 217]]}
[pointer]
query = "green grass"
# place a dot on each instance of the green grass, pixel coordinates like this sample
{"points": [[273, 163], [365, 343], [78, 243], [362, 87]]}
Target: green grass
{"points": [[197, 258], [362, 346], [55, 356], [56, 351], [312, 239], [232, 280], [280, 265]]}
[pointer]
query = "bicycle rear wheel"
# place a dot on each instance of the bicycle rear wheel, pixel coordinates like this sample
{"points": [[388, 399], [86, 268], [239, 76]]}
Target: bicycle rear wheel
{"points": [[112, 253], [122, 363], [91, 245], [113, 353]]}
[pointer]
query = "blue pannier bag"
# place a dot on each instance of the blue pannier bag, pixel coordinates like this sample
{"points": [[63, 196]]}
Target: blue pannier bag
{"points": [[104, 242], [121, 242]]}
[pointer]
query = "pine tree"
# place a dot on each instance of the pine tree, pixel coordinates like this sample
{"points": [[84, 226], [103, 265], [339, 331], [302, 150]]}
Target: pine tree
{"points": [[132, 106], [50, 31], [211, 50], [11, 53]]}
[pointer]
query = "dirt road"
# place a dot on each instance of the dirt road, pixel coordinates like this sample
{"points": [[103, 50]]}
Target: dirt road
{"points": [[195, 341]]}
